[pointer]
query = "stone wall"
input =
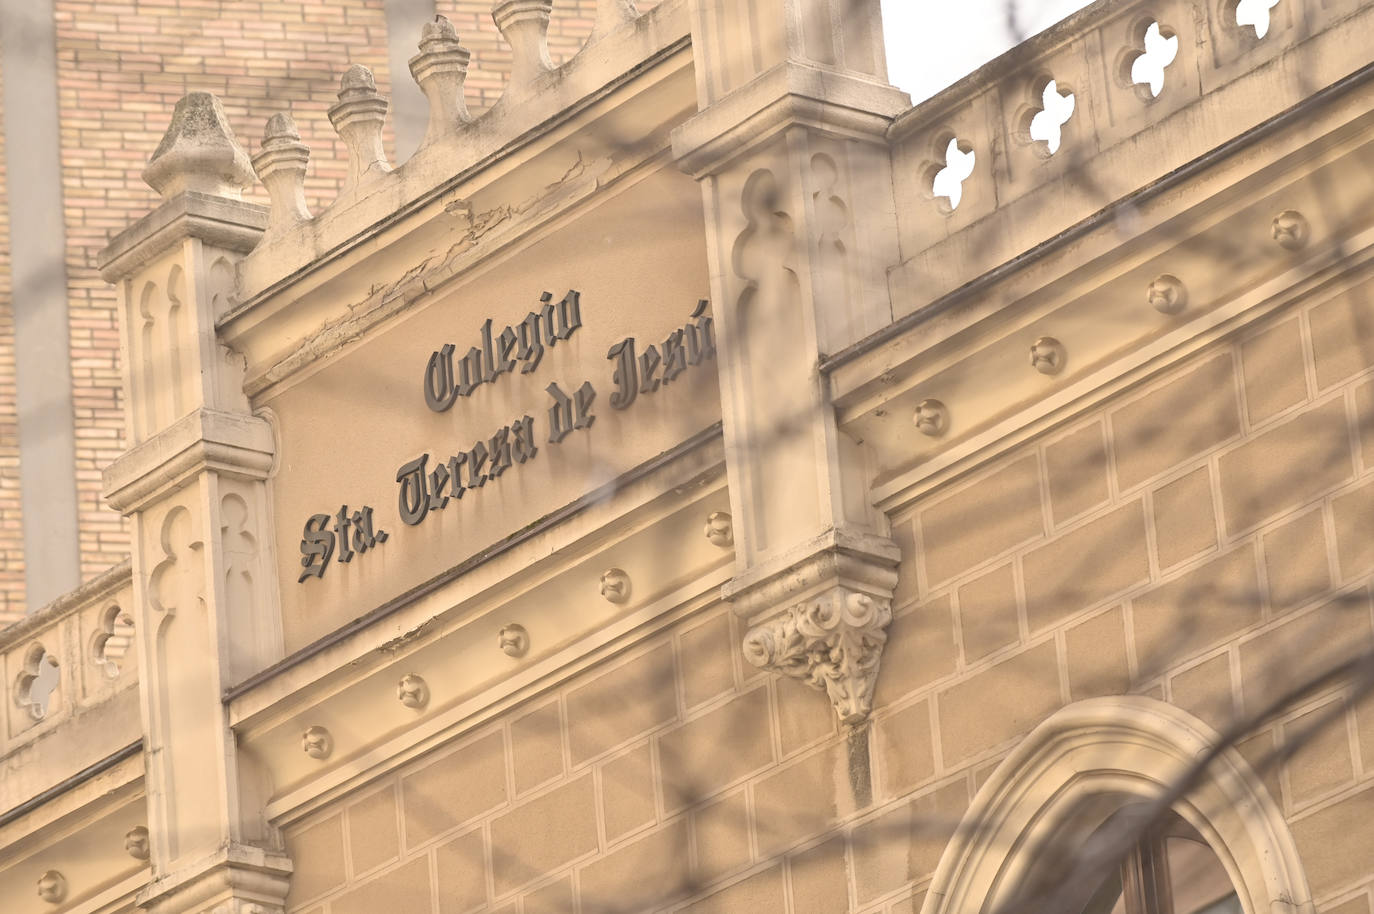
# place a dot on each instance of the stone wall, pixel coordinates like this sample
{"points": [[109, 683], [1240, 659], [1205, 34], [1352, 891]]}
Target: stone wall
{"points": [[1201, 539], [121, 68], [11, 524]]}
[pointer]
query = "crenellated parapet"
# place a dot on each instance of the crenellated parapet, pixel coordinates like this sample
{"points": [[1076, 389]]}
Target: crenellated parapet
{"points": [[374, 190]]}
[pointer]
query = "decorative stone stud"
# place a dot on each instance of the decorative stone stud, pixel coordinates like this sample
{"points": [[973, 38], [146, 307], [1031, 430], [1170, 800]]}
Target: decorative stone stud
{"points": [[525, 26], [1167, 294], [514, 640], [612, 13], [317, 742], [136, 843], [615, 585], [199, 153], [358, 117], [441, 69], [720, 530], [52, 887], [1047, 355], [413, 691], [931, 417], [1291, 229], [280, 165]]}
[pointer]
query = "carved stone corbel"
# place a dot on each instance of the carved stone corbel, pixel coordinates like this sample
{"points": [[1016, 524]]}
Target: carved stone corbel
{"points": [[823, 620], [832, 642]]}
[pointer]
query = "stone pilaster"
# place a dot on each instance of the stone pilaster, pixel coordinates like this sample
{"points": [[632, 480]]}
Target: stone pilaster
{"points": [[790, 149], [194, 485]]}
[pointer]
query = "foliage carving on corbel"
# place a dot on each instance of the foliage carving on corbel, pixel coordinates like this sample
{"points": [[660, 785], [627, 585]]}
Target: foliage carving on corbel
{"points": [[832, 642]]}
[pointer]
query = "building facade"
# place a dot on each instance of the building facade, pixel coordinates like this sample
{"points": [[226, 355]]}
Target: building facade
{"points": [[703, 482]]}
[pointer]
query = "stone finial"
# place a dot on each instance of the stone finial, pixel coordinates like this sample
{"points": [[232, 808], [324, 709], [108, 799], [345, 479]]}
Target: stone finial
{"points": [[280, 165], [612, 13], [199, 153], [441, 68], [525, 26], [358, 117]]}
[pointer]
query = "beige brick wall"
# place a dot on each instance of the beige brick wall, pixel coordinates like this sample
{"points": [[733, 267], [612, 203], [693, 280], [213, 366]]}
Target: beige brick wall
{"points": [[11, 520], [121, 68], [1204, 539]]}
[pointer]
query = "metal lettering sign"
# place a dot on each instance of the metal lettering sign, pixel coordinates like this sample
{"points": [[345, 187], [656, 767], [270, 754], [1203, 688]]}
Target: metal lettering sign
{"points": [[426, 486]]}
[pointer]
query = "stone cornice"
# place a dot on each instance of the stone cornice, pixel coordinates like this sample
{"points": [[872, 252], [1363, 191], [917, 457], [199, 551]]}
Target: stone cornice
{"points": [[205, 439], [862, 562], [223, 222], [789, 94], [237, 879]]}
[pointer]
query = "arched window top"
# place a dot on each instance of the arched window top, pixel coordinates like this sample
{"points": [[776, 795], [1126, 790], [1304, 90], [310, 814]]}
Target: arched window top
{"points": [[1097, 778]]}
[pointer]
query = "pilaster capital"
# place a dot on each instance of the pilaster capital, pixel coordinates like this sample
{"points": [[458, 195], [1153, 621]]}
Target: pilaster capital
{"points": [[237, 879], [234, 225], [819, 615], [790, 94], [206, 439]]}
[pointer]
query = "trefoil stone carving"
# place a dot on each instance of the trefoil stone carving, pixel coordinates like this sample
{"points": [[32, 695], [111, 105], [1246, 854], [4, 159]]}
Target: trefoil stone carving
{"points": [[136, 843], [514, 640], [52, 887], [720, 530], [412, 691], [832, 642]]}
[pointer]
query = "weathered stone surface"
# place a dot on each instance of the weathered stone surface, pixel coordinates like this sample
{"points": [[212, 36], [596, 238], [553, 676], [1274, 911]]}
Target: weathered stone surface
{"points": [[621, 703], [405, 888], [1295, 561], [920, 649], [1095, 653], [1335, 864], [1321, 762], [1185, 416], [642, 874], [1342, 336], [983, 520], [1285, 466], [706, 654], [690, 757], [541, 834], [536, 745], [820, 879], [1185, 520], [780, 818], [721, 830], [975, 713], [318, 854], [1274, 369], [461, 869], [372, 832], [905, 749], [989, 614], [1303, 648], [627, 791], [1205, 691], [1196, 610], [1076, 466], [1354, 545], [762, 893], [1085, 566], [454, 788]]}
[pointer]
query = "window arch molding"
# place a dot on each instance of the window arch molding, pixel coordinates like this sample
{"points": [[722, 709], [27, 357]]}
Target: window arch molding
{"points": [[1100, 755]]}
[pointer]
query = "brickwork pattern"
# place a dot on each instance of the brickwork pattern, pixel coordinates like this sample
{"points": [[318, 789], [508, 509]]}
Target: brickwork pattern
{"points": [[11, 519], [121, 68], [1202, 540]]}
